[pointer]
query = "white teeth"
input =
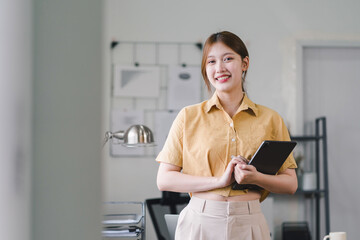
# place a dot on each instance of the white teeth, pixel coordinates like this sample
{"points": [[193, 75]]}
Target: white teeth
{"points": [[222, 78]]}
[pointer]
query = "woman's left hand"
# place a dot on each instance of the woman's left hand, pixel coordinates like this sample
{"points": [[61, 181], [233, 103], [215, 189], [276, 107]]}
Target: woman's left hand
{"points": [[245, 174]]}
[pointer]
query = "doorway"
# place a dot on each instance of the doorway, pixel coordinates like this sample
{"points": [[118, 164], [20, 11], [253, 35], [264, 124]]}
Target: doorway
{"points": [[331, 84]]}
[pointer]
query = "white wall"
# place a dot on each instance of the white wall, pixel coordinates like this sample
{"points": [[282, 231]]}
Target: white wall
{"points": [[271, 31], [67, 120], [15, 118]]}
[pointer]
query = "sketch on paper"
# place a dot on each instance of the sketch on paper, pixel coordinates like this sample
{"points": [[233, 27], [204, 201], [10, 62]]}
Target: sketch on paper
{"points": [[132, 81]]}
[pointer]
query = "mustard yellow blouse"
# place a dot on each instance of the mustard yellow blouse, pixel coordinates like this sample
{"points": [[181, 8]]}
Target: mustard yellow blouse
{"points": [[203, 137]]}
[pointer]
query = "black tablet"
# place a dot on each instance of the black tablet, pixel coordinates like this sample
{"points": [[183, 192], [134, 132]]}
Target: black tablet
{"points": [[268, 159]]}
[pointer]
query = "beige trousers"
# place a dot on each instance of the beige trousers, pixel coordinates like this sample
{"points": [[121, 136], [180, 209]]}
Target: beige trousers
{"points": [[218, 220]]}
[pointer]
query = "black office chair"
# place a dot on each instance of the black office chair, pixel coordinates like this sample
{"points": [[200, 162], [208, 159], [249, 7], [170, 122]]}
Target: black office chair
{"points": [[170, 203], [295, 231]]}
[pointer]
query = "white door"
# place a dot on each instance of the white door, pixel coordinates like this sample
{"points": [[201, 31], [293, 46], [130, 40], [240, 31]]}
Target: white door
{"points": [[332, 89]]}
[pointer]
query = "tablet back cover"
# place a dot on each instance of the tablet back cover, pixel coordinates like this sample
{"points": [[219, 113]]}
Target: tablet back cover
{"points": [[271, 155]]}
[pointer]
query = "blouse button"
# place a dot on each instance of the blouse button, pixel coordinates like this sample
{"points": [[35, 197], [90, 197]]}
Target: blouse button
{"points": [[233, 139], [231, 124]]}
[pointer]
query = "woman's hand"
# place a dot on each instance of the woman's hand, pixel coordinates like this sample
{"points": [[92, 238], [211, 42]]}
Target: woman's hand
{"points": [[245, 174], [228, 177]]}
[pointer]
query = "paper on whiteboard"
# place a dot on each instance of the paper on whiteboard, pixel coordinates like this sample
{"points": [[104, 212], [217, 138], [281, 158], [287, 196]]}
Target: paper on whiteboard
{"points": [[122, 120], [184, 86], [131, 81], [163, 122]]}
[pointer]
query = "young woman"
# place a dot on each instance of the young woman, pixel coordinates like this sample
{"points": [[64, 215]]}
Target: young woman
{"points": [[209, 145]]}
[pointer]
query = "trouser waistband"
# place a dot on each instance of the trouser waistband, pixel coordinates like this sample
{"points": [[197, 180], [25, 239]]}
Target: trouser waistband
{"points": [[224, 208]]}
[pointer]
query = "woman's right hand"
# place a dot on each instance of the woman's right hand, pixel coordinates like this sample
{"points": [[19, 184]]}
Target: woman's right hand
{"points": [[228, 177]]}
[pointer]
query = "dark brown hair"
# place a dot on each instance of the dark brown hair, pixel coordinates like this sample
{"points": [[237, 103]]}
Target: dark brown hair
{"points": [[229, 39]]}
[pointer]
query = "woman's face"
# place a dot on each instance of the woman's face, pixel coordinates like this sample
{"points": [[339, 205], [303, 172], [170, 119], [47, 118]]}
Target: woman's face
{"points": [[224, 68]]}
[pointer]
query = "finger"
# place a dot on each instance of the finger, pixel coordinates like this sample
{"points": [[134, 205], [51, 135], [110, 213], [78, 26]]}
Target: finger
{"points": [[241, 169], [248, 167], [236, 161], [238, 174], [243, 159], [231, 165]]}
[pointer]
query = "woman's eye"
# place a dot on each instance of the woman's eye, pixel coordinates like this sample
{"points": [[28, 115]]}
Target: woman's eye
{"points": [[211, 61], [228, 59]]}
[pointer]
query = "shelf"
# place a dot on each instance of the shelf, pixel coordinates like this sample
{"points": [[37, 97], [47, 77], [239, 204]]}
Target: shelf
{"points": [[310, 193], [305, 138], [322, 215]]}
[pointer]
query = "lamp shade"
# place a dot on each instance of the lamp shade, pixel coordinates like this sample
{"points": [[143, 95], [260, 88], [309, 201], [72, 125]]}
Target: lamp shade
{"points": [[138, 135]]}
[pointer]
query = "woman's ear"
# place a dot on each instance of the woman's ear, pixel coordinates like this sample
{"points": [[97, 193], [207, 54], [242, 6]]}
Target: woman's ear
{"points": [[245, 64]]}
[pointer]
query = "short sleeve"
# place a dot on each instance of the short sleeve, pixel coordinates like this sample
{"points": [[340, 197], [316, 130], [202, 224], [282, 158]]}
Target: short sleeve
{"points": [[172, 151], [281, 135]]}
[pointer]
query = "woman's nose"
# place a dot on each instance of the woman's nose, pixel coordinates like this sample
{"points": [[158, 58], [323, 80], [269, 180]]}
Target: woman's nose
{"points": [[220, 66]]}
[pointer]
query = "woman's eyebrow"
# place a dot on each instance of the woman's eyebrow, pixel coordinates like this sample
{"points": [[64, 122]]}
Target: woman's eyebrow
{"points": [[228, 53]]}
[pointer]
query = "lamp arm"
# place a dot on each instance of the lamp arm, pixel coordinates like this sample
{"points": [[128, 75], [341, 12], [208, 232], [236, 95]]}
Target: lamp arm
{"points": [[110, 135], [118, 135]]}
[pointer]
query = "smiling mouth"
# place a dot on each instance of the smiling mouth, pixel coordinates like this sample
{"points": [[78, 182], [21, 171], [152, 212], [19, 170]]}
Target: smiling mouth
{"points": [[223, 78]]}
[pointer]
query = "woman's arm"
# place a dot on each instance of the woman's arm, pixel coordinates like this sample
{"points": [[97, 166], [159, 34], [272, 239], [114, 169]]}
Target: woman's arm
{"points": [[284, 182], [170, 178]]}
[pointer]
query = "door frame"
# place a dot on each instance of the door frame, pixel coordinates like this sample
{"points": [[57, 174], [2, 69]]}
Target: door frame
{"points": [[300, 45]]}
